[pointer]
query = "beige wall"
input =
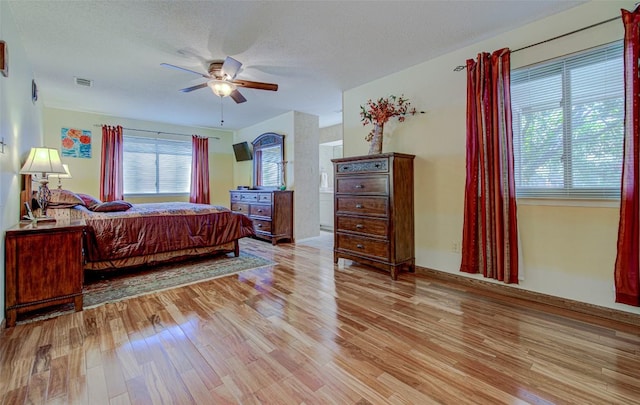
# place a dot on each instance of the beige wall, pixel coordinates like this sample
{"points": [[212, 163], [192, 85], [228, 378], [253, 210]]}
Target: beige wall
{"points": [[86, 172], [20, 128], [330, 134], [567, 249]]}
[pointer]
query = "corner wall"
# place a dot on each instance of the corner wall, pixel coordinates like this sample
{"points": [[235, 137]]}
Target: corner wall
{"points": [[568, 248], [20, 127], [306, 166]]}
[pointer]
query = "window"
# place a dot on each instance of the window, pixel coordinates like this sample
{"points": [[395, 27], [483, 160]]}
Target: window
{"points": [[156, 166], [271, 161], [568, 125]]}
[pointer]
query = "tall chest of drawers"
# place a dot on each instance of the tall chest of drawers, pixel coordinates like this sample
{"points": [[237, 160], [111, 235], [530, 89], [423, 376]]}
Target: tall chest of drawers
{"points": [[270, 210], [374, 214]]}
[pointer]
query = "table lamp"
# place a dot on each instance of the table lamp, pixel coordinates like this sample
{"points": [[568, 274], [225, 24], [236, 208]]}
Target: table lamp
{"points": [[66, 175], [40, 163]]}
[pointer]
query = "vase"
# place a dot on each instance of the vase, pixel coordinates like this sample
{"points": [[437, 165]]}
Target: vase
{"points": [[375, 147]]}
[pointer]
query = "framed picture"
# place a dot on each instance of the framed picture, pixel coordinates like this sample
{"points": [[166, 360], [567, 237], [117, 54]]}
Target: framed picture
{"points": [[76, 143], [4, 62]]}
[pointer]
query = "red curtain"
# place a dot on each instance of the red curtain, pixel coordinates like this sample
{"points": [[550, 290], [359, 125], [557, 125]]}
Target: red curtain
{"points": [[626, 271], [490, 238], [199, 170], [111, 180]]}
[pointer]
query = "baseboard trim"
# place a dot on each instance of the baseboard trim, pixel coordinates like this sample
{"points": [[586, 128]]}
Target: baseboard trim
{"points": [[583, 308]]}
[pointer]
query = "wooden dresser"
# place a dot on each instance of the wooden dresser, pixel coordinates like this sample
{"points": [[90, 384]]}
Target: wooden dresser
{"points": [[374, 220], [270, 210], [43, 266]]}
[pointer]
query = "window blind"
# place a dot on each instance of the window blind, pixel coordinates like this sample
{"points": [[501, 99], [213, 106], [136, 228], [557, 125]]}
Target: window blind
{"points": [[271, 172], [156, 166], [568, 125]]}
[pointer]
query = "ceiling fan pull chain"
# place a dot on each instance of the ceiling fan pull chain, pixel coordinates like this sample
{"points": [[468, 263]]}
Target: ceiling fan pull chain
{"points": [[221, 113]]}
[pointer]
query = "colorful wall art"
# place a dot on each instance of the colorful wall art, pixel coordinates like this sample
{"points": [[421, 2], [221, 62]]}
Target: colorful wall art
{"points": [[76, 143]]}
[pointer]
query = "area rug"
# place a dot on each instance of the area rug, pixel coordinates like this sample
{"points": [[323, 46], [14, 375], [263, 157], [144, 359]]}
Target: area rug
{"points": [[103, 288]]}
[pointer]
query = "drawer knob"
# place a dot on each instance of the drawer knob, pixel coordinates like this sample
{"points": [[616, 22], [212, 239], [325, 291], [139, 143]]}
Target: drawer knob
{"points": [[239, 209], [359, 226], [359, 186], [358, 205], [259, 210], [259, 225], [359, 246]]}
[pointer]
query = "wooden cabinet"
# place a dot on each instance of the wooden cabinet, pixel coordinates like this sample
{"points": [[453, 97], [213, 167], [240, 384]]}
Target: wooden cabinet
{"points": [[374, 214], [270, 211], [43, 266]]}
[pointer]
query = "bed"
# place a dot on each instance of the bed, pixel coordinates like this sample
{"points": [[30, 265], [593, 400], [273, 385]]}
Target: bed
{"points": [[121, 235]]}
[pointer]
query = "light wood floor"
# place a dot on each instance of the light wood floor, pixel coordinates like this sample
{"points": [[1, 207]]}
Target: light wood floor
{"points": [[307, 332]]}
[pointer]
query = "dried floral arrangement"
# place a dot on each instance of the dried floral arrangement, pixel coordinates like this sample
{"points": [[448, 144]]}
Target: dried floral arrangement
{"points": [[383, 109]]}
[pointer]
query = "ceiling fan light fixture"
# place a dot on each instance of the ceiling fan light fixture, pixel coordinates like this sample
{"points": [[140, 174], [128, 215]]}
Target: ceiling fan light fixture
{"points": [[222, 88]]}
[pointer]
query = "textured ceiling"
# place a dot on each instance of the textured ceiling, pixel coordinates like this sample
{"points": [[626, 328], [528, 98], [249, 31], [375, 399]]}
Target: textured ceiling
{"points": [[314, 50]]}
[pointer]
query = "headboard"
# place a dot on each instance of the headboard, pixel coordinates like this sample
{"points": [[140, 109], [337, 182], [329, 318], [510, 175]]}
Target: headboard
{"points": [[26, 192]]}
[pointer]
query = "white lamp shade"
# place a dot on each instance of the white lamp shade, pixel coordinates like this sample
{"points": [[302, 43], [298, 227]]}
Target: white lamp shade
{"points": [[66, 175], [221, 88], [43, 161]]}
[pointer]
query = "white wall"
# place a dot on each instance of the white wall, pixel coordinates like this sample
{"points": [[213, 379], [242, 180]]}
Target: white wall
{"points": [[329, 150], [20, 127], [567, 250]]}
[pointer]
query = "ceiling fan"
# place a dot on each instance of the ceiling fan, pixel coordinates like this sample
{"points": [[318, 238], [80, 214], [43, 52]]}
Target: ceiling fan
{"points": [[222, 79]]}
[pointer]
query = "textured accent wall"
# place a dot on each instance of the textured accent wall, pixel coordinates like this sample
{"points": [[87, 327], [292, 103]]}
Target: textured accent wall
{"points": [[306, 169]]}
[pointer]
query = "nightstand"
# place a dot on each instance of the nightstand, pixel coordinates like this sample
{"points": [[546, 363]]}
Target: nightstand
{"points": [[43, 266]]}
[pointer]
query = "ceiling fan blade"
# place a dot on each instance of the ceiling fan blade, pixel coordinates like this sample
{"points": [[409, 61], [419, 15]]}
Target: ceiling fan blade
{"points": [[231, 67], [185, 69], [256, 85], [192, 88], [237, 97]]}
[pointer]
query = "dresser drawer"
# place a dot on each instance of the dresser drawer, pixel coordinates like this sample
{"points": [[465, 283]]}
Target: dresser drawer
{"points": [[235, 196], [363, 184], [262, 225], [249, 197], [264, 197], [363, 246], [375, 206], [260, 210], [376, 227], [240, 207], [373, 165]]}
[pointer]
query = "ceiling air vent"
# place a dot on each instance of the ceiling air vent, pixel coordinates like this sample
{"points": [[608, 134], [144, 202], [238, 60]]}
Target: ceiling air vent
{"points": [[83, 82]]}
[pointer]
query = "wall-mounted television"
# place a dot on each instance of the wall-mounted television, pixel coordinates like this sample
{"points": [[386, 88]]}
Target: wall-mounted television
{"points": [[242, 151]]}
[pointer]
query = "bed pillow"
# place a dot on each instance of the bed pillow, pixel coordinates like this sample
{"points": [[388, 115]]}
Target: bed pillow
{"points": [[64, 199], [88, 200], [111, 206]]}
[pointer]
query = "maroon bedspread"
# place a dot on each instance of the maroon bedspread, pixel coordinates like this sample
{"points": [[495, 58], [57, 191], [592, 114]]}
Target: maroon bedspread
{"points": [[161, 227]]}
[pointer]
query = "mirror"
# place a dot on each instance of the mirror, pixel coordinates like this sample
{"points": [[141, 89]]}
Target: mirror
{"points": [[268, 161]]}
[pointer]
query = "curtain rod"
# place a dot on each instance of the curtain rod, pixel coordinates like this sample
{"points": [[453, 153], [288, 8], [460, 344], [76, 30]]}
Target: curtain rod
{"points": [[159, 132], [463, 67]]}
